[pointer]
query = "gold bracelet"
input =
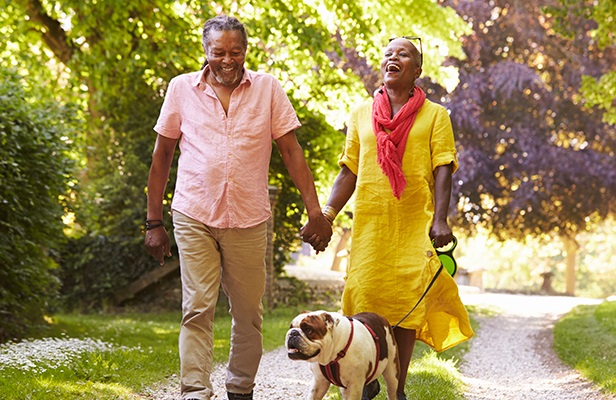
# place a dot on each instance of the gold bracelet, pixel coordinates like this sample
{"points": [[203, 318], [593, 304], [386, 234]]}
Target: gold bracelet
{"points": [[330, 213]]}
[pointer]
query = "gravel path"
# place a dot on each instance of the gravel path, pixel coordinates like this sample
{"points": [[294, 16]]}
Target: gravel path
{"points": [[493, 368], [512, 357], [279, 378]]}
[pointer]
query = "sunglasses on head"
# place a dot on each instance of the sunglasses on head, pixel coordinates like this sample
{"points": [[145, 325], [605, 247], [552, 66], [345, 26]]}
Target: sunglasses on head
{"points": [[412, 39]]}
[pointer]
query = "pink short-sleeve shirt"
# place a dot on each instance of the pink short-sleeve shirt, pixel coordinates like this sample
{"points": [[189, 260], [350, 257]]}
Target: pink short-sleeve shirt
{"points": [[222, 178]]}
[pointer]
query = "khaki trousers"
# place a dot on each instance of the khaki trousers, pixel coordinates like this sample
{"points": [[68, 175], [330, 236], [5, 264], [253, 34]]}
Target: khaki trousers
{"points": [[210, 257]]}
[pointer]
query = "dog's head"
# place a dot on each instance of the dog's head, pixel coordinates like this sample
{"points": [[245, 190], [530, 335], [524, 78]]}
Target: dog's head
{"points": [[308, 334]]}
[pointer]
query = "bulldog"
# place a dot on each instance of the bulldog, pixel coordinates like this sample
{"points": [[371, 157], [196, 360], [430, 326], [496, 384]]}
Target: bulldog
{"points": [[349, 352]]}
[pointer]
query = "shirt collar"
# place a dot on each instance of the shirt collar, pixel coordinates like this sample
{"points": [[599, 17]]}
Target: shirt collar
{"points": [[199, 79]]}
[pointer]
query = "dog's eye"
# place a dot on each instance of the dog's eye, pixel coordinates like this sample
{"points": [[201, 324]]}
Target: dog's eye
{"points": [[308, 330]]}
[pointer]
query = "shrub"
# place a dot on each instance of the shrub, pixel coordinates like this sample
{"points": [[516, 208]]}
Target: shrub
{"points": [[35, 171]]}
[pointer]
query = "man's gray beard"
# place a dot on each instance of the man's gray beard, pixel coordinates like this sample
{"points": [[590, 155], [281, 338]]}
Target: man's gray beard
{"points": [[236, 78]]}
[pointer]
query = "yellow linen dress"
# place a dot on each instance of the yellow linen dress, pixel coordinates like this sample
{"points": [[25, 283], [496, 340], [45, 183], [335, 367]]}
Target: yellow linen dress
{"points": [[392, 259]]}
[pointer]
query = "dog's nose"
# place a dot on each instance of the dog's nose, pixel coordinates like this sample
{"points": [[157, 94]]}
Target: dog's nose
{"points": [[294, 333]]}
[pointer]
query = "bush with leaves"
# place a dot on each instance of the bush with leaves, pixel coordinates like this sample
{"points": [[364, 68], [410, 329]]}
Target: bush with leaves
{"points": [[36, 168], [95, 267]]}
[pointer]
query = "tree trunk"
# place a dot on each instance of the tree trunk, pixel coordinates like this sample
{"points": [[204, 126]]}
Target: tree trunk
{"points": [[342, 245], [571, 248]]}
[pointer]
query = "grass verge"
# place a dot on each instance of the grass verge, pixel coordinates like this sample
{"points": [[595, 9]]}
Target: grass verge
{"points": [[132, 351], [585, 339]]}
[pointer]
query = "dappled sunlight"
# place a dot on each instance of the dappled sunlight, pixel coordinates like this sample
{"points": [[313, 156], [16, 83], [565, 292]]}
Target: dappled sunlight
{"points": [[94, 390], [38, 356], [221, 343], [172, 330]]}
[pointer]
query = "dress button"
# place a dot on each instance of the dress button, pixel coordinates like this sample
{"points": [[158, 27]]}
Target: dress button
{"points": [[429, 253]]}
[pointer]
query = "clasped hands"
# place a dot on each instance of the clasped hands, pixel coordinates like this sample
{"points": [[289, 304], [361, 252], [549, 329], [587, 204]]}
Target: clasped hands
{"points": [[317, 232]]}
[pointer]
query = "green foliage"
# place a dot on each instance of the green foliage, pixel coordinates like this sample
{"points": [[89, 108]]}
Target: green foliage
{"points": [[36, 168], [601, 93], [94, 268], [597, 18], [322, 145], [585, 339]]}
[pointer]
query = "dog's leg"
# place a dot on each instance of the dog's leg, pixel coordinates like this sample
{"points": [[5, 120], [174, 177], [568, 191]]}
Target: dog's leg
{"points": [[320, 385], [352, 392], [390, 375]]}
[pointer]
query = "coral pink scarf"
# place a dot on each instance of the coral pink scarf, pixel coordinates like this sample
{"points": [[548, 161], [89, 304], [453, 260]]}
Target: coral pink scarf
{"points": [[390, 147]]}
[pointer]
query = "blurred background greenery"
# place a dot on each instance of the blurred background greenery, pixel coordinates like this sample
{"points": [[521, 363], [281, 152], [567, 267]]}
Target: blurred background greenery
{"points": [[530, 89]]}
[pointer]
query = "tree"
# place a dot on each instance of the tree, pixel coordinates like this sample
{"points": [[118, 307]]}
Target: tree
{"points": [[534, 161], [36, 169], [598, 87], [115, 58]]}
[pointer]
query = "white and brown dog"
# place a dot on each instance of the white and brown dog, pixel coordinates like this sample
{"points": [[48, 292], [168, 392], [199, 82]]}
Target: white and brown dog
{"points": [[348, 352]]}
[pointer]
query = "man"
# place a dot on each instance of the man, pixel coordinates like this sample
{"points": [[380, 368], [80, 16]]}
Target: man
{"points": [[224, 118]]}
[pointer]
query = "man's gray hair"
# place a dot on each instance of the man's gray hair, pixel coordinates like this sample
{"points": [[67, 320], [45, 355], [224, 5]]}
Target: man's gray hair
{"points": [[223, 23]]}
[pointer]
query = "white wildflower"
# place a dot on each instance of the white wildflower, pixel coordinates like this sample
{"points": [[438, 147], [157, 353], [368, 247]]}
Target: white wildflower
{"points": [[48, 353]]}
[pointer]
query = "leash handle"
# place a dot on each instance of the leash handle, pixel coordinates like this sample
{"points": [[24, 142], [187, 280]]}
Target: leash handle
{"points": [[446, 256]]}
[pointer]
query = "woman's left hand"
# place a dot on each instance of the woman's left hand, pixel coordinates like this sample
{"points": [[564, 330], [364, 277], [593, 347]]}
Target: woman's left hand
{"points": [[440, 234]]}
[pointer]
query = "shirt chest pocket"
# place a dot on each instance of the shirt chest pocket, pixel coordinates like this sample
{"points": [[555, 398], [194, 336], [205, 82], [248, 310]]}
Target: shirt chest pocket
{"points": [[254, 122]]}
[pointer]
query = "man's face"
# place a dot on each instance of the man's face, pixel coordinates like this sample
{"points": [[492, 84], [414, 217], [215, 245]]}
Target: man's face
{"points": [[225, 53]]}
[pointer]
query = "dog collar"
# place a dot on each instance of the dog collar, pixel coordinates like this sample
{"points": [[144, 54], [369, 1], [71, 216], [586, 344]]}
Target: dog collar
{"points": [[331, 371]]}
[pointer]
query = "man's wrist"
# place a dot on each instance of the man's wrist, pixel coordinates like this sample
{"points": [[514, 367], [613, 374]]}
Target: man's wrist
{"points": [[314, 212], [153, 224]]}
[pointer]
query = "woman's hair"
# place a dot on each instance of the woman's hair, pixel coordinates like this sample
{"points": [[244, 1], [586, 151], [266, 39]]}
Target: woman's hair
{"points": [[223, 23]]}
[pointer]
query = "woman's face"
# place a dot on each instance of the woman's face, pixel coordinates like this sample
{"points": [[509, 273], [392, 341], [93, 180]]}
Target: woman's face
{"points": [[399, 67]]}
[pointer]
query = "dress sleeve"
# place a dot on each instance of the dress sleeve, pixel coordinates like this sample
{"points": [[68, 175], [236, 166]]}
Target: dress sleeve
{"points": [[443, 147], [170, 119], [350, 153]]}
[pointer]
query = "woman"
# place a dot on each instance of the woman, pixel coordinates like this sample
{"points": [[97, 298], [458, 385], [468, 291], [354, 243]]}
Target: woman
{"points": [[399, 157]]}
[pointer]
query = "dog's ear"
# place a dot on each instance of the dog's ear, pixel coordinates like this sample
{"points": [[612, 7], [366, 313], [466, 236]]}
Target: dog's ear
{"points": [[329, 320]]}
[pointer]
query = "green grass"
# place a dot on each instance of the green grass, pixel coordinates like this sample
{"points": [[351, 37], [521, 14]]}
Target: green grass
{"points": [[145, 353], [585, 339]]}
